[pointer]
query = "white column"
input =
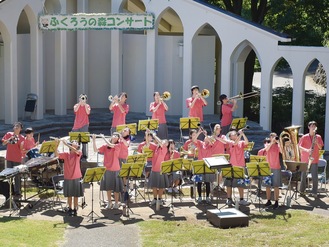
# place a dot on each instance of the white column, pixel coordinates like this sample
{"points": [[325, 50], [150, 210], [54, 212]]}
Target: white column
{"points": [[150, 67], [326, 121], [82, 53], [37, 82], [265, 107], [225, 72], [298, 97], [187, 71], [238, 85], [10, 52]]}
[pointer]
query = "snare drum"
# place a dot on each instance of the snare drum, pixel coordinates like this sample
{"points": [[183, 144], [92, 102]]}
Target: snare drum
{"points": [[33, 153]]}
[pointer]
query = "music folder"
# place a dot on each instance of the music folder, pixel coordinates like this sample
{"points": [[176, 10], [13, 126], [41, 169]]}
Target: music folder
{"points": [[217, 162]]}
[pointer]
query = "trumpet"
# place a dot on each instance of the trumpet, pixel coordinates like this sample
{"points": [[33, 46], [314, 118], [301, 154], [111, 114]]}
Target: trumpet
{"points": [[112, 98], [166, 96], [241, 96], [205, 93]]}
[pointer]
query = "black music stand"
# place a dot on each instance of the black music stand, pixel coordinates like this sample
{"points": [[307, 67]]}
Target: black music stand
{"points": [[131, 126], [171, 166], [134, 171], [151, 124], [80, 137], [199, 167], [93, 175], [233, 172], [48, 147], [296, 168], [258, 170], [238, 123]]}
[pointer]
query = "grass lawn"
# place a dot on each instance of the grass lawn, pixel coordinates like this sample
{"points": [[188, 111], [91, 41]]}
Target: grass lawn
{"points": [[290, 228]]}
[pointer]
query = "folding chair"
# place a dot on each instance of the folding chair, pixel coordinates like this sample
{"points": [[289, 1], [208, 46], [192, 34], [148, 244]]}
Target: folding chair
{"points": [[58, 182], [322, 175]]}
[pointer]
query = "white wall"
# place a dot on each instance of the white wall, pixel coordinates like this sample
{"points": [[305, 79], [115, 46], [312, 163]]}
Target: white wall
{"points": [[2, 83]]}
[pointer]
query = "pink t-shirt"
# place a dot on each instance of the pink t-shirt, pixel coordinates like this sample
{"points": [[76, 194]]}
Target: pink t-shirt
{"points": [[119, 117], [159, 154], [176, 155], [196, 110], [273, 156], [124, 150], [226, 115], [72, 168], [189, 145], [140, 149], [218, 147], [111, 157], [306, 142], [204, 151], [237, 154], [158, 114], [13, 150], [81, 117]]}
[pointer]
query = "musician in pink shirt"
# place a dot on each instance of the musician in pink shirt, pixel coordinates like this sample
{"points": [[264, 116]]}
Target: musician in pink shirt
{"points": [[195, 103], [158, 109], [272, 152], [124, 146], [141, 149], [81, 121], [310, 145], [218, 145], [72, 175], [175, 177], [120, 109], [236, 146], [158, 181], [13, 142], [111, 180], [228, 106], [28, 144]]}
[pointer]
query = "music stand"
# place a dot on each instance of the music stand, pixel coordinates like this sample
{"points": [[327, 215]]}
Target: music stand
{"points": [[134, 171], [151, 124], [258, 170], [257, 158], [189, 123], [238, 123], [249, 147], [131, 126], [148, 151], [233, 172], [93, 175], [48, 147], [171, 166], [296, 168], [80, 137], [137, 158]]}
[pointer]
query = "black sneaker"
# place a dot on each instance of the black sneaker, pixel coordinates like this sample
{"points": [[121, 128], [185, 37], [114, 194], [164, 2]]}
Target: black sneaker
{"points": [[276, 205], [74, 213], [269, 203], [69, 212]]}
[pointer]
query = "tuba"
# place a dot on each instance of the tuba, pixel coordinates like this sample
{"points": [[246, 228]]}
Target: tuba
{"points": [[289, 144], [166, 96], [205, 93]]}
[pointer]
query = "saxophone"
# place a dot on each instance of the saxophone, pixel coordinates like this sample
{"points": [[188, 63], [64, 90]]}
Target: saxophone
{"points": [[310, 159]]}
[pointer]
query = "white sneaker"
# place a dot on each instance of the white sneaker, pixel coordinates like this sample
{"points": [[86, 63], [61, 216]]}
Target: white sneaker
{"points": [[153, 202], [169, 190], [199, 200], [116, 206], [208, 200], [108, 205], [243, 202], [175, 190]]}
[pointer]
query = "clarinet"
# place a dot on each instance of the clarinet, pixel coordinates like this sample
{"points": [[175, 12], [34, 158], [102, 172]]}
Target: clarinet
{"points": [[310, 159]]}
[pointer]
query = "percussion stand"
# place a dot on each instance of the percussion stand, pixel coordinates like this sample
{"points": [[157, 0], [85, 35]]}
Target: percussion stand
{"points": [[12, 203]]}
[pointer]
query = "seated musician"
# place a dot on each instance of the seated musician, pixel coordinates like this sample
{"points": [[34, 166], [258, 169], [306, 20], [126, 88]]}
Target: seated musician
{"points": [[272, 152], [205, 152], [158, 181], [111, 180], [175, 177], [236, 147], [72, 175], [140, 149], [28, 145]]}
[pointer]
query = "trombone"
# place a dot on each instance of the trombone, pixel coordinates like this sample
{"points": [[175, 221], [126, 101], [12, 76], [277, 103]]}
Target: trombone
{"points": [[166, 96], [205, 93], [241, 96]]}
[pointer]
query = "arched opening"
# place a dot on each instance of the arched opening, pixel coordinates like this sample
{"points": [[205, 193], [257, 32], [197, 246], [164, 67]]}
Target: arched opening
{"points": [[282, 89]]}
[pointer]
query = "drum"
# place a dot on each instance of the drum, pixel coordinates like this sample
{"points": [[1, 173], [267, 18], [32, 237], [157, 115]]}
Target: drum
{"points": [[33, 153], [48, 172]]}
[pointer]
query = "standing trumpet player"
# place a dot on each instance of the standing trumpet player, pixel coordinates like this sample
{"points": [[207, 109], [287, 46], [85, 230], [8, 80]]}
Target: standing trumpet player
{"points": [[195, 103], [120, 109], [81, 121], [228, 106], [158, 109], [310, 144]]}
